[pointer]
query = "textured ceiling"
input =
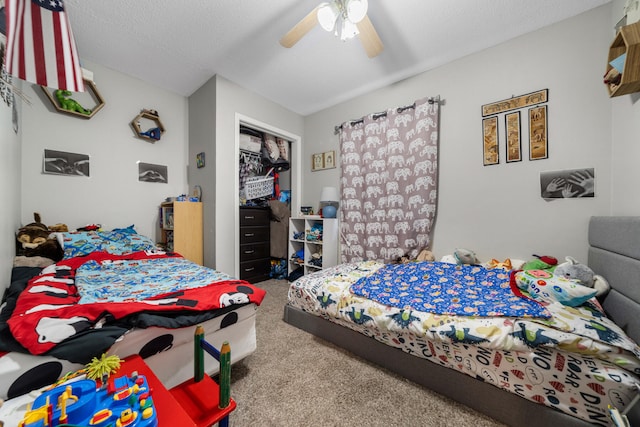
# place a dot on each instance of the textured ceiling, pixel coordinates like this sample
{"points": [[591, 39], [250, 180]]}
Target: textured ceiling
{"points": [[179, 45]]}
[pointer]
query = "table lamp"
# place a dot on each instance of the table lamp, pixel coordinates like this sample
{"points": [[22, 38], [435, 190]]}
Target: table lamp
{"points": [[329, 200]]}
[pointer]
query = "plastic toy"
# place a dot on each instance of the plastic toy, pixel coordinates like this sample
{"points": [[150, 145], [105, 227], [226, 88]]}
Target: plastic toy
{"points": [[121, 402], [205, 401], [105, 366], [70, 104]]}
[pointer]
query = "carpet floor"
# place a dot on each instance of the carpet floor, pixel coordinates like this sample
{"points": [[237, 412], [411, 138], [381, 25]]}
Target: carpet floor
{"points": [[296, 379]]}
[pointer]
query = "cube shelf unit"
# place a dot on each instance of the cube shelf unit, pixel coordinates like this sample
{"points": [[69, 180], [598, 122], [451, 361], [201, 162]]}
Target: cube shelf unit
{"points": [[328, 245], [181, 225]]}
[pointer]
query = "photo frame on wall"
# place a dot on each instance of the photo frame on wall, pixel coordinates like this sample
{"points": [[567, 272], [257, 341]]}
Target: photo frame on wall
{"points": [[317, 162], [63, 163], [512, 136], [329, 160], [538, 138], [148, 172], [490, 149], [200, 160]]}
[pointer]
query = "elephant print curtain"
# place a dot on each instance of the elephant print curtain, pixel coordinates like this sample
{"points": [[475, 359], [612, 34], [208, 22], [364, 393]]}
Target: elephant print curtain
{"points": [[388, 182]]}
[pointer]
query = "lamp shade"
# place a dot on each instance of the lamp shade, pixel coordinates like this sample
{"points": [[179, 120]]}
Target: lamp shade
{"points": [[328, 15], [356, 10], [329, 194]]}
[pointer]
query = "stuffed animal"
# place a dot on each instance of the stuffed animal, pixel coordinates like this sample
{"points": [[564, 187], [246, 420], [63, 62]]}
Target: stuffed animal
{"points": [[33, 234], [425, 255], [465, 256], [573, 270], [541, 262], [33, 240]]}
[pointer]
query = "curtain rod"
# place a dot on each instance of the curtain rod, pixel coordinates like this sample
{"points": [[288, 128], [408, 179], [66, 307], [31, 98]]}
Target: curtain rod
{"points": [[430, 100]]}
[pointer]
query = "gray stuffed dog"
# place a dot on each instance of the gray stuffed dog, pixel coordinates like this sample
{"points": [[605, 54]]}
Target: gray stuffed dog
{"points": [[573, 270]]}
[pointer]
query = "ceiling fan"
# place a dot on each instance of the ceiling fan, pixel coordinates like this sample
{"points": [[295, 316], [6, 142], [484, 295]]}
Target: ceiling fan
{"points": [[346, 18]]}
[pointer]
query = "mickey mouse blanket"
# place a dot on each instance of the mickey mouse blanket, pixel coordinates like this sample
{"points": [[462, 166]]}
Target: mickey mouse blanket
{"points": [[83, 293]]}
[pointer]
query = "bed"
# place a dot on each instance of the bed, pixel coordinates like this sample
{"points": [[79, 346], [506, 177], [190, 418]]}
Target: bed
{"points": [[533, 383], [116, 293]]}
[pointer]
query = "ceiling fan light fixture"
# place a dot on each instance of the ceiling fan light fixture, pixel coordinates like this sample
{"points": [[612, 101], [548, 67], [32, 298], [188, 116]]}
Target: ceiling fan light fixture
{"points": [[356, 10], [328, 15], [348, 30]]}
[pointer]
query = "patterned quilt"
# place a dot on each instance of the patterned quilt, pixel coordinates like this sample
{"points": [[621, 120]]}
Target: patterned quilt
{"points": [[81, 293], [442, 288], [577, 361]]}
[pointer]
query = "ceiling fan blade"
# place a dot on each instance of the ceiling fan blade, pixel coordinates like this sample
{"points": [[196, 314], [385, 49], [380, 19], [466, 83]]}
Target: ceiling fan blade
{"points": [[369, 37], [300, 29]]}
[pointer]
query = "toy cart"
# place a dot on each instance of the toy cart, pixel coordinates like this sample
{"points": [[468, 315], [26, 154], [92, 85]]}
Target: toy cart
{"points": [[202, 398]]}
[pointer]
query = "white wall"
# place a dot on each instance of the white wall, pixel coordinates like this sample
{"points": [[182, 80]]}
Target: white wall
{"points": [[497, 210], [112, 195], [231, 100], [9, 190], [625, 123], [214, 110]]}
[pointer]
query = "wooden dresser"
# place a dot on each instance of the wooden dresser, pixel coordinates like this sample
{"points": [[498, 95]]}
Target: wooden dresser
{"points": [[255, 246]]}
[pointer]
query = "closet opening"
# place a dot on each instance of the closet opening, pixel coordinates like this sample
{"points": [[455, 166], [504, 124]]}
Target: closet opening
{"points": [[267, 189]]}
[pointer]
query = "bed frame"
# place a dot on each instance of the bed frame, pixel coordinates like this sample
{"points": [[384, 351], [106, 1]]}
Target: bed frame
{"points": [[614, 253]]}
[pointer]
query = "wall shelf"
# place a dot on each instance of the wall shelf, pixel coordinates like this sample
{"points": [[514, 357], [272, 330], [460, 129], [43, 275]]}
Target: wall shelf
{"points": [[626, 41], [154, 133], [91, 94]]}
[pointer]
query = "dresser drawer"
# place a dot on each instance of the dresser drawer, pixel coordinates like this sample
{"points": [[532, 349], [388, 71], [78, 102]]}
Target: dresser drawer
{"points": [[253, 251], [256, 270], [254, 234], [255, 217]]}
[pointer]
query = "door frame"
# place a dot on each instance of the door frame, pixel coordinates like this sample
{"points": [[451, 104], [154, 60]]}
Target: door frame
{"points": [[295, 160]]}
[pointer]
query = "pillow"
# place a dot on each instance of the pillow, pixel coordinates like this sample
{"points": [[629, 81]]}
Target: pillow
{"points": [[129, 230], [272, 148], [283, 147], [544, 286], [116, 242]]}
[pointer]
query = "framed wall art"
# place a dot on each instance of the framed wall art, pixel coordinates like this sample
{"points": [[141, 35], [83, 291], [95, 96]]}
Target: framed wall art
{"points": [[148, 172], [200, 160], [329, 160], [490, 141], [512, 136], [317, 162], [538, 141], [64, 163]]}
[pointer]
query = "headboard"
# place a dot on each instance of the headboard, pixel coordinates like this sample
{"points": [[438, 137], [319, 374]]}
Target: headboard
{"points": [[614, 253]]}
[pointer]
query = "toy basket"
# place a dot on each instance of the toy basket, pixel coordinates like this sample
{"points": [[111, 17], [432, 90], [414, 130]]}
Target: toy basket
{"points": [[257, 187]]}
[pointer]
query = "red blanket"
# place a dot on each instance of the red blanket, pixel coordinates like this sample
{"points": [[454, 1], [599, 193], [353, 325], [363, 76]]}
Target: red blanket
{"points": [[47, 311]]}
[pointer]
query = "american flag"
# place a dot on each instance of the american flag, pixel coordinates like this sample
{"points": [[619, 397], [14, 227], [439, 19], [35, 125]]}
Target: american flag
{"points": [[40, 45]]}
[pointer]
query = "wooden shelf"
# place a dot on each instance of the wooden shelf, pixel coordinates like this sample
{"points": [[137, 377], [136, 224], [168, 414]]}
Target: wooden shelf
{"points": [[626, 41], [153, 134], [91, 94], [181, 225]]}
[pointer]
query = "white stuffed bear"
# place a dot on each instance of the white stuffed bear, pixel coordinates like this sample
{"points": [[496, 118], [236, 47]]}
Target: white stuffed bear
{"points": [[573, 270]]}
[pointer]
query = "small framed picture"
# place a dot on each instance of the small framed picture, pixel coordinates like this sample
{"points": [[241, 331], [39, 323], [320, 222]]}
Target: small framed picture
{"points": [[538, 144], [317, 162], [148, 172], [200, 160], [512, 133], [490, 141], [329, 159], [64, 163]]}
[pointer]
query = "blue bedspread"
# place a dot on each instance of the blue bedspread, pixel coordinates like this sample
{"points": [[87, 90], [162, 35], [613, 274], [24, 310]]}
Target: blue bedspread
{"points": [[444, 288]]}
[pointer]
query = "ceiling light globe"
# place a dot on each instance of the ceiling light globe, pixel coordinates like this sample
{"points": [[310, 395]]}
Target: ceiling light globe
{"points": [[356, 10], [327, 16], [348, 31]]}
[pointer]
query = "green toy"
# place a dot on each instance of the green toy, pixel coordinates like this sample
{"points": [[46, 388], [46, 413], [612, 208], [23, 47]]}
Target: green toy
{"points": [[542, 262], [70, 104]]}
